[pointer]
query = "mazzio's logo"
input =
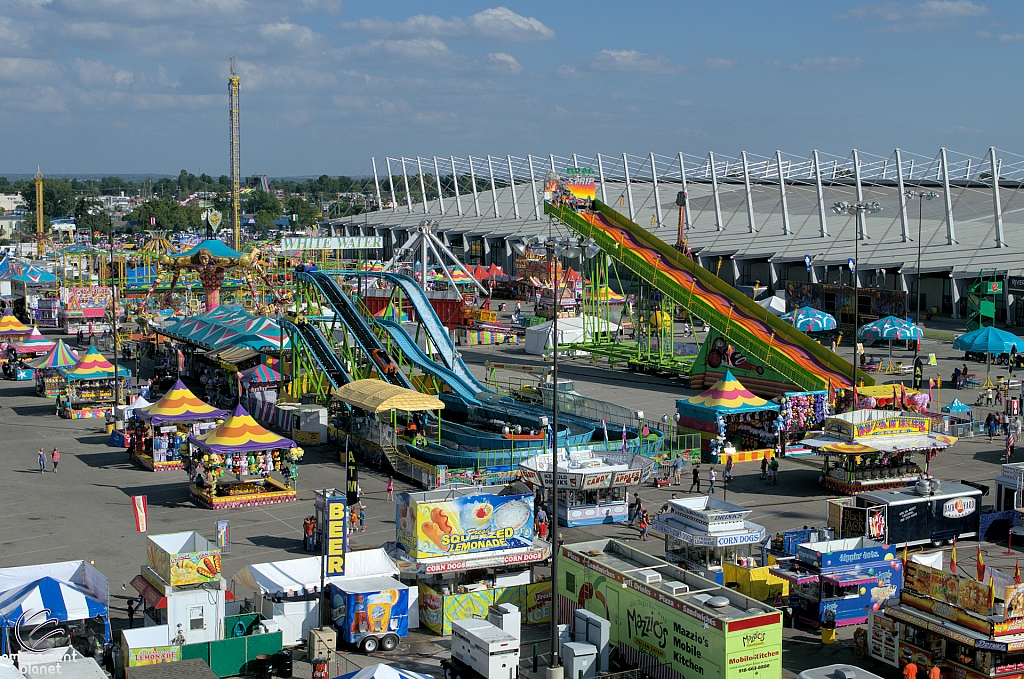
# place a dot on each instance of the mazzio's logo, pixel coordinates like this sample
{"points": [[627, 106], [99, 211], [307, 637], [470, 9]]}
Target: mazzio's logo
{"points": [[33, 643]]}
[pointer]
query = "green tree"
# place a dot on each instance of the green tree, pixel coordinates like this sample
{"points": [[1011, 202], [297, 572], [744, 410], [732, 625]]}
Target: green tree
{"points": [[168, 213], [58, 197], [300, 211], [257, 201], [90, 217], [264, 222]]}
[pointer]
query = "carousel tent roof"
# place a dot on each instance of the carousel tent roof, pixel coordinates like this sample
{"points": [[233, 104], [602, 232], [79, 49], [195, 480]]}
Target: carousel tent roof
{"points": [[60, 356], [729, 396], [34, 343], [228, 326], [10, 325], [25, 273], [180, 405], [93, 366], [239, 433], [217, 249], [377, 396], [64, 601]]}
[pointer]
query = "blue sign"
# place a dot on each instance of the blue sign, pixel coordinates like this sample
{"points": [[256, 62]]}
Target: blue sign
{"points": [[807, 262], [845, 558], [852, 264]]}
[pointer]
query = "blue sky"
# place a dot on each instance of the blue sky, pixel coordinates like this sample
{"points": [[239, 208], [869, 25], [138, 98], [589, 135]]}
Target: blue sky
{"points": [[131, 86]]}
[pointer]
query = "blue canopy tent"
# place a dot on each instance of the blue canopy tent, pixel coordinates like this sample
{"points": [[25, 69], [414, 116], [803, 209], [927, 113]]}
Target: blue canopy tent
{"points": [[989, 340], [47, 599]]}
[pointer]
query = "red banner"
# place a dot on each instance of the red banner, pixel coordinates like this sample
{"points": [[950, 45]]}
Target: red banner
{"points": [[141, 513]]}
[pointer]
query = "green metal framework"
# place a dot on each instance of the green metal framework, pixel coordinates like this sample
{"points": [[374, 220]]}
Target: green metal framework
{"points": [[981, 296]]}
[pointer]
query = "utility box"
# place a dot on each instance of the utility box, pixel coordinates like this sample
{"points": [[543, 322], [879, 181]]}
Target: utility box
{"points": [[580, 660], [506, 617], [590, 628], [485, 649], [322, 642]]}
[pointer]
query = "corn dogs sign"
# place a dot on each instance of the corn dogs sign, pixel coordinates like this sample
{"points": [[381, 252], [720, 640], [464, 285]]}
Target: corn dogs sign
{"points": [[464, 525]]}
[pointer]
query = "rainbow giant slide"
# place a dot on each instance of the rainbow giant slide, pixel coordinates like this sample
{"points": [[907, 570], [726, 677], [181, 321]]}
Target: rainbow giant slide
{"points": [[785, 351]]}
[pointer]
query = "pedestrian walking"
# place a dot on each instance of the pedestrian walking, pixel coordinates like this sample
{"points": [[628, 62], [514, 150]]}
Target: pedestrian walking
{"points": [[990, 425], [55, 458], [712, 475], [764, 467], [910, 671], [989, 396], [774, 467], [391, 489], [935, 672], [644, 524], [131, 612], [638, 509], [833, 345], [359, 493], [696, 479], [354, 518], [42, 461], [308, 533], [561, 540], [729, 464], [677, 470], [362, 520], [542, 524]]}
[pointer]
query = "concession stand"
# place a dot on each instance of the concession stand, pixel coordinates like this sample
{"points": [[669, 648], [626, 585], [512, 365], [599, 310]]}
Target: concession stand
{"points": [[161, 430], [593, 487], [88, 388], [47, 368]]}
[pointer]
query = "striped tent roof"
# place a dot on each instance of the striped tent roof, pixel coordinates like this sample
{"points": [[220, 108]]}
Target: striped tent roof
{"points": [[63, 600], [35, 343], [728, 394], [260, 374], [11, 326], [180, 405], [60, 356], [93, 366], [239, 433]]}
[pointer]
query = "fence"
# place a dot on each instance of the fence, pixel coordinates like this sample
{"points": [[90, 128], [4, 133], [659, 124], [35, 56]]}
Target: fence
{"points": [[233, 656]]}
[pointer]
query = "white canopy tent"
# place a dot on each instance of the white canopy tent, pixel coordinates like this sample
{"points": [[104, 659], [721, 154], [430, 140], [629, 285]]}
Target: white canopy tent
{"points": [[540, 338], [774, 304]]}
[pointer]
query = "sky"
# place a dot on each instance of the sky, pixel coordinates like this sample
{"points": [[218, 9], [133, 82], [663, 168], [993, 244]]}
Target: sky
{"points": [[140, 86]]}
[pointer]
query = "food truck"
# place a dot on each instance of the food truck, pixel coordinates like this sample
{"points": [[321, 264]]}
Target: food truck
{"points": [[467, 549], [930, 511], [838, 582], [370, 613], [704, 535], [871, 450], [593, 487], [666, 621]]}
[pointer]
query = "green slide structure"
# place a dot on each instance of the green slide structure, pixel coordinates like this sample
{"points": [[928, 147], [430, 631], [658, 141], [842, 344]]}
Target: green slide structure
{"points": [[772, 355]]}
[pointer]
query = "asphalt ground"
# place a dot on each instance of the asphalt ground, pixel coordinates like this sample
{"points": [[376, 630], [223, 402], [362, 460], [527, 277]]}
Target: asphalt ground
{"points": [[84, 511]]}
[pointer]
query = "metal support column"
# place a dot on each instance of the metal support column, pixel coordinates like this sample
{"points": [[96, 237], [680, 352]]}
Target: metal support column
{"points": [[405, 179], [476, 196], [423, 187], [391, 185], [376, 183], [600, 176], [437, 180], [862, 227], [714, 190], [629, 188], [512, 187], [533, 189], [657, 198], [997, 205], [786, 230], [901, 190], [455, 184], [823, 224], [494, 189], [682, 187], [751, 225], [948, 200]]}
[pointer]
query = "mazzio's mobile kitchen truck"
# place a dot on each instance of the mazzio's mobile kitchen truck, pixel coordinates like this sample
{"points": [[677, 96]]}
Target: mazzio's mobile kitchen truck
{"points": [[928, 512]]}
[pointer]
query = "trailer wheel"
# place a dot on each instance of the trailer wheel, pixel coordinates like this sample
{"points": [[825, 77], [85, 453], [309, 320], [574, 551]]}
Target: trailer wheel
{"points": [[936, 543], [370, 644], [389, 642]]}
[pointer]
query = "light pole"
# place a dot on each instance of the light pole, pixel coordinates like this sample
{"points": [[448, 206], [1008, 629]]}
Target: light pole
{"points": [[550, 249], [922, 196], [113, 317], [858, 209]]}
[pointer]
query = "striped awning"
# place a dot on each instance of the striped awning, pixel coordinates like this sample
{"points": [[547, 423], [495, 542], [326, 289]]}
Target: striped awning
{"points": [[233, 355]]}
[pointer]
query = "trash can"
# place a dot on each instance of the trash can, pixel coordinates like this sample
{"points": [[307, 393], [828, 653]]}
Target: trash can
{"points": [[261, 666], [285, 664], [110, 427], [828, 635], [319, 668]]}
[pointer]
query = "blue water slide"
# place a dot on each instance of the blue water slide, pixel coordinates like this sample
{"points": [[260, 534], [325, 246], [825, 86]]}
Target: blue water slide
{"points": [[435, 329], [322, 353], [465, 390], [345, 310]]}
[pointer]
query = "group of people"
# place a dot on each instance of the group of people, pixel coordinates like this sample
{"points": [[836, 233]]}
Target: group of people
{"points": [[638, 516], [960, 376], [54, 459], [770, 470]]}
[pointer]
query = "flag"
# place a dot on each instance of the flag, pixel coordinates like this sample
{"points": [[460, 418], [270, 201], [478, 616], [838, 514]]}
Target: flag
{"points": [[1009, 445], [904, 555], [551, 439], [623, 438], [181, 361], [604, 428], [903, 395], [980, 565], [141, 513], [1016, 572], [931, 383], [991, 592], [952, 558]]}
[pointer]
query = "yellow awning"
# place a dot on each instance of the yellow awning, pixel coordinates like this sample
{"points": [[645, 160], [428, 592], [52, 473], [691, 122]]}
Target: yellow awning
{"points": [[378, 396]]}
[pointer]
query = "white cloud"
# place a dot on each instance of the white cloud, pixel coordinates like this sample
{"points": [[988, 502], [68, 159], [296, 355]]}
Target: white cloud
{"points": [[630, 61], [720, 63], [826, 64], [684, 103], [94, 72], [20, 69], [498, 24], [416, 53], [505, 63], [1016, 37], [924, 16], [294, 35]]}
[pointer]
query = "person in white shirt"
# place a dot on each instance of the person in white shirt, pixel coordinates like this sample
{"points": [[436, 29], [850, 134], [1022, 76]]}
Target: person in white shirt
{"points": [[712, 475]]}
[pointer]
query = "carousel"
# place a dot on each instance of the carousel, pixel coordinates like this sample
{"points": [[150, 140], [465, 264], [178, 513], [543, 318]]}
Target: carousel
{"points": [[731, 421], [160, 431], [240, 446], [869, 450], [47, 368], [89, 388]]}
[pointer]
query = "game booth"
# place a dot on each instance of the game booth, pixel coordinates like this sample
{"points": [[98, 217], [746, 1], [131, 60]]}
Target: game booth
{"points": [[240, 446], [593, 487], [27, 350], [802, 412], [260, 379], [47, 368], [88, 388], [11, 329], [731, 421], [838, 582], [160, 431], [468, 549], [713, 539], [868, 450]]}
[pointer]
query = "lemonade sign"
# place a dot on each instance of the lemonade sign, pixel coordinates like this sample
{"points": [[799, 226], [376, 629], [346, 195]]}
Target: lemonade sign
{"points": [[473, 523], [184, 558]]}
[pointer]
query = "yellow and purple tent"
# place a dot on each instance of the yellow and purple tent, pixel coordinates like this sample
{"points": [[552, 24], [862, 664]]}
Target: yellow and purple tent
{"points": [[239, 433], [11, 327], [727, 398], [180, 405], [93, 366]]}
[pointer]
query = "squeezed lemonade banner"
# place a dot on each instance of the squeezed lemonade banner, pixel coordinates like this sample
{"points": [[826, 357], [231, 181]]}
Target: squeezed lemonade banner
{"points": [[464, 525]]}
